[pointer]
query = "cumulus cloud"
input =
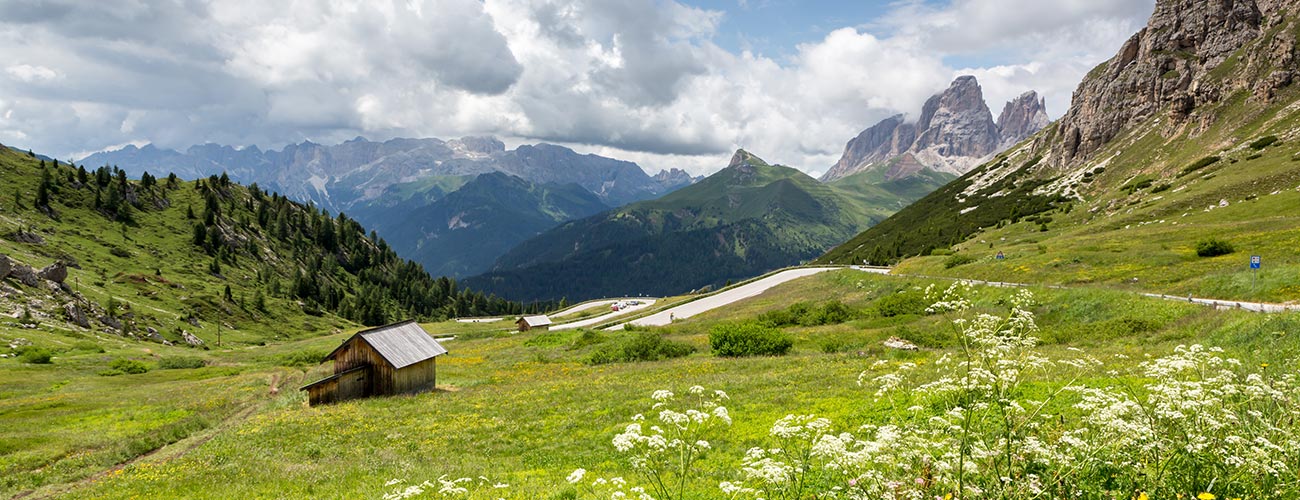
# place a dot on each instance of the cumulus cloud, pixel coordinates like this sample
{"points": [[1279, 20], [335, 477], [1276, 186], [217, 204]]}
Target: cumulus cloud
{"points": [[635, 79]]}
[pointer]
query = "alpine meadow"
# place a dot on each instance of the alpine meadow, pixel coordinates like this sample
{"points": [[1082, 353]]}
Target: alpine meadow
{"points": [[848, 279]]}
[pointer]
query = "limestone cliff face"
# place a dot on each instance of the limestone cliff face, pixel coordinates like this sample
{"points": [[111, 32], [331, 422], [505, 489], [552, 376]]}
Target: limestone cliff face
{"points": [[1021, 118], [954, 133], [1182, 59]]}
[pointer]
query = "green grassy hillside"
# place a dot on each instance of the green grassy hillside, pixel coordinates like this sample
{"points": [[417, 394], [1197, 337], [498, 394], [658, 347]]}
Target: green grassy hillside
{"points": [[744, 220], [485, 420]]}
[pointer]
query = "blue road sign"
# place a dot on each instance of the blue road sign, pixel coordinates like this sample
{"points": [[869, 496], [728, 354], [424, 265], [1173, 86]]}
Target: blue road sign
{"points": [[1254, 262]]}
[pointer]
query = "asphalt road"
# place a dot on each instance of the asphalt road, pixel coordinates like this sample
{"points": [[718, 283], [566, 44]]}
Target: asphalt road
{"points": [[605, 318], [727, 297]]}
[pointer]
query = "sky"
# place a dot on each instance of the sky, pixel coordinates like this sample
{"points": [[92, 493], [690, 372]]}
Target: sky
{"points": [[664, 83]]}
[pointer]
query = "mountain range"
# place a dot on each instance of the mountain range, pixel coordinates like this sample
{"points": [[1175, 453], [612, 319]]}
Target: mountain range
{"points": [[954, 132], [746, 219]]}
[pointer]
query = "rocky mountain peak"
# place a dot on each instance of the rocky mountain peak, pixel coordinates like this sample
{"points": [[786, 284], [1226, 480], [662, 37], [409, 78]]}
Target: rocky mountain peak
{"points": [[954, 132], [674, 178], [1184, 58], [1021, 118]]}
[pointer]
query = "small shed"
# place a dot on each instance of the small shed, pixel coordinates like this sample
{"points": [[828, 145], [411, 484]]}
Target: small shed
{"points": [[393, 359], [526, 323]]}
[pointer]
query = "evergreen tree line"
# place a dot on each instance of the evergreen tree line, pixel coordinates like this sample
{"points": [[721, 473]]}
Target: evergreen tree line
{"points": [[327, 263]]}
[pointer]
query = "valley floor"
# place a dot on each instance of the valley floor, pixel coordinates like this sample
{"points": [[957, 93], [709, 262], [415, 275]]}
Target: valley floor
{"points": [[526, 410]]}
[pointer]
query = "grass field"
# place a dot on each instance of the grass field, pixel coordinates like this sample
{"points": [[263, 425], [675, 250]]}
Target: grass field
{"points": [[524, 409]]}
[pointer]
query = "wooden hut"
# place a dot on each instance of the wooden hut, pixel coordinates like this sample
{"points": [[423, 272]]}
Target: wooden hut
{"points": [[394, 359], [526, 323]]}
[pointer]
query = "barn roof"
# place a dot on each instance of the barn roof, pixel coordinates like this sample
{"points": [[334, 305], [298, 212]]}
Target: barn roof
{"points": [[534, 321], [401, 344]]}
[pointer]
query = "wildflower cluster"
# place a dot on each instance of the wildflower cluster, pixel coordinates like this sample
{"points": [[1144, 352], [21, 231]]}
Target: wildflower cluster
{"points": [[663, 451], [443, 486]]}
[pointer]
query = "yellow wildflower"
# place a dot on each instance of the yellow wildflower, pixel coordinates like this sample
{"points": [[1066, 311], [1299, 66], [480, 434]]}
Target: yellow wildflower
{"points": [[1205, 496], [1143, 496]]}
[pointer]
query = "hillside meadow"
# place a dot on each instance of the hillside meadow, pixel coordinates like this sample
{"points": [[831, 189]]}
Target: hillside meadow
{"points": [[527, 410]]}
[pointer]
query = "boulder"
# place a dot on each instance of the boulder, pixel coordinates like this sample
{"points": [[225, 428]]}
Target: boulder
{"points": [[28, 237], [111, 322], [190, 339], [76, 315], [900, 344], [6, 265], [25, 275], [56, 272]]}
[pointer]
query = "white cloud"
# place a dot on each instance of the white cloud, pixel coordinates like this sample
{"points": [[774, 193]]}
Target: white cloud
{"points": [[636, 79], [30, 74]]}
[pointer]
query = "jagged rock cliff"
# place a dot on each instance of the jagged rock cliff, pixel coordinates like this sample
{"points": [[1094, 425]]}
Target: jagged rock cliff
{"points": [[1182, 60], [1021, 118], [954, 133]]}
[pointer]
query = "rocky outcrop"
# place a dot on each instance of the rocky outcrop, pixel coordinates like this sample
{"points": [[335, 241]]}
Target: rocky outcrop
{"points": [[190, 339], [6, 265], [56, 272], [1169, 69], [76, 315], [111, 322], [954, 133], [24, 274], [673, 179], [1022, 117]]}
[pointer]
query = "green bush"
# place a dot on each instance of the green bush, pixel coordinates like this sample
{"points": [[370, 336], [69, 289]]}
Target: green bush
{"points": [[1199, 164], [644, 346], [1213, 248], [901, 303], [1263, 142], [748, 338], [1160, 188], [35, 355], [805, 314], [129, 366], [180, 363], [957, 260]]}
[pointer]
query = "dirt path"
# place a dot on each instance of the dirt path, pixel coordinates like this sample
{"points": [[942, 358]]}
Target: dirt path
{"points": [[171, 451]]}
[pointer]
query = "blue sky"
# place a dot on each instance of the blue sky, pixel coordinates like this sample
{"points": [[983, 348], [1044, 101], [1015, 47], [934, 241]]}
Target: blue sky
{"points": [[775, 27]]}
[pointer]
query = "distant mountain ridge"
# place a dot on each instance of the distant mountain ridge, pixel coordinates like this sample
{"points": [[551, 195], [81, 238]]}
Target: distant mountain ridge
{"points": [[359, 171], [746, 219], [954, 132]]}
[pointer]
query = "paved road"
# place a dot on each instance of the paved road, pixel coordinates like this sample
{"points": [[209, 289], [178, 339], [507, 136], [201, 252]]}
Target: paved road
{"points": [[605, 318], [725, 297], [583, 307]]}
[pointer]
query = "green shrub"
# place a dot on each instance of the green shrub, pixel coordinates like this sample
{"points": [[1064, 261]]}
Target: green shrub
{"points": [[941, 251], [1255, 156], [1160, 188], [1263, 142], [1213, 248], [35, 355], [748, 338], [644, 346], [1199, 164], [957, 260], [129, 366], [805, 314], [1136, 185], [180, 363], [901, 303], [586, 338]]}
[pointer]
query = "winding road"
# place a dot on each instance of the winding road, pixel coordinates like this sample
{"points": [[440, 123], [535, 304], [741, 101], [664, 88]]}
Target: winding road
{"points": [[605, 318], [730, 296]]}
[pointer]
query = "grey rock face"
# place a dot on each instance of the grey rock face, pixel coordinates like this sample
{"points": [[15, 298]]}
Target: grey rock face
{"points": [[6, 265], [954, 133], [190, 339], [1022, 117], [111, 322], [1165, 70], [673, 179]]}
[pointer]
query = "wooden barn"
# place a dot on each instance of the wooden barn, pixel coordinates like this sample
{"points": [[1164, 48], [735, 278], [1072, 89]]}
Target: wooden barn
{"points": [[526, 323], [400, 358]]}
